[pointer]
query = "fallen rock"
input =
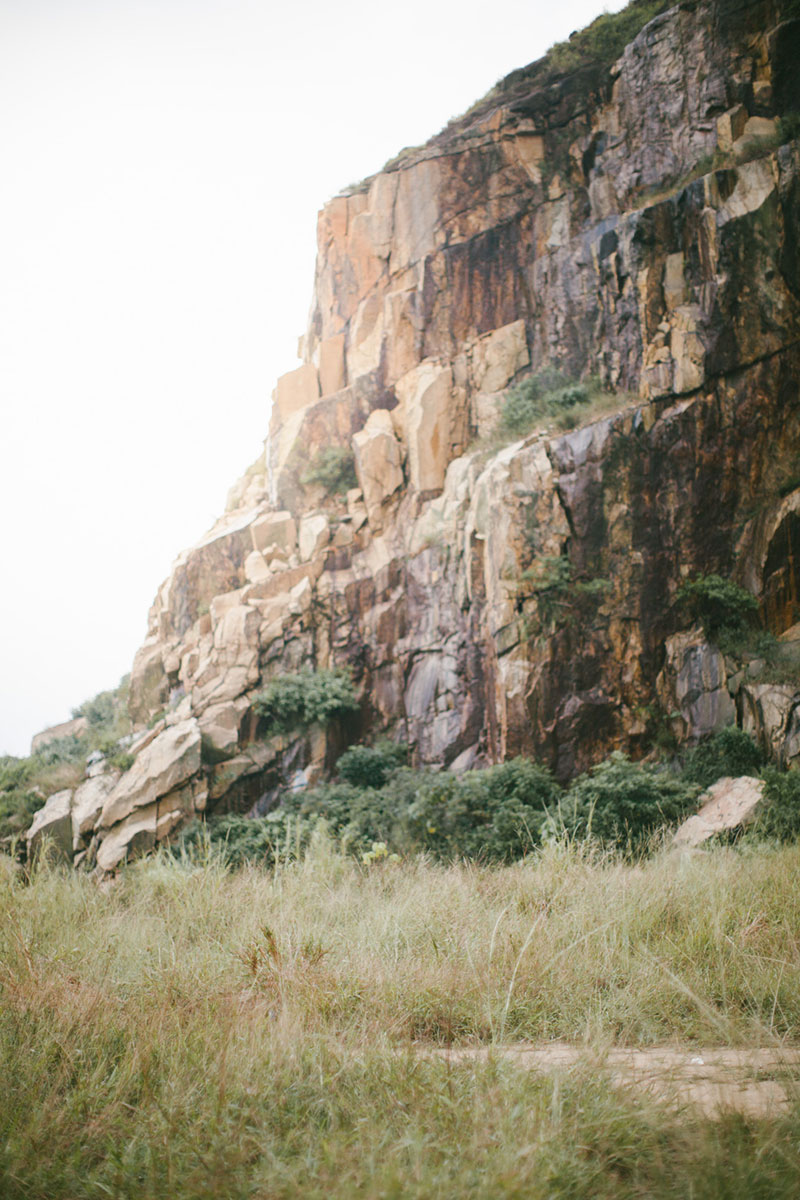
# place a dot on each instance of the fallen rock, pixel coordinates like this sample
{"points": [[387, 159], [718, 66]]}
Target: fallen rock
{"points": [[314, 535], [54, 824], [727, 804], [168, 761]]}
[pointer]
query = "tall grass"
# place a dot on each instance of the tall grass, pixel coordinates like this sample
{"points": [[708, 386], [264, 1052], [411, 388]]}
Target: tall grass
{"points": [[190, 1032]]}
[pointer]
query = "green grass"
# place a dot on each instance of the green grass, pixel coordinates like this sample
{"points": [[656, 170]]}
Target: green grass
{"points": [[191, 1033]]}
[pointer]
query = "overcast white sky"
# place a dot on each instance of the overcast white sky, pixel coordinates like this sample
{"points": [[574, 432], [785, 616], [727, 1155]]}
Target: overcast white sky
{"points": [[162, 165]]}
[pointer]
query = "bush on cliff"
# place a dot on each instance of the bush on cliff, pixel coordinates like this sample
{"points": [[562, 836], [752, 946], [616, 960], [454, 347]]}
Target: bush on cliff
{"points": [[548, 393], [332, 469], [305, 698], [726, 611]]}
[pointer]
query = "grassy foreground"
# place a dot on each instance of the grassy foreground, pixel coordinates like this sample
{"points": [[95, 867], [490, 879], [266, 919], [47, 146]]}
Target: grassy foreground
{"points": [[194, 1033]]}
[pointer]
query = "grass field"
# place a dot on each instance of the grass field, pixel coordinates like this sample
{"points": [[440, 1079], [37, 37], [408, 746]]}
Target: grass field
{"points": [[191, 1032]]}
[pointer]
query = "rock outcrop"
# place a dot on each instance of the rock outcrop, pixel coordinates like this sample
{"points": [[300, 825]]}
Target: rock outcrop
{"points": [[727, 805], [639, 224]]}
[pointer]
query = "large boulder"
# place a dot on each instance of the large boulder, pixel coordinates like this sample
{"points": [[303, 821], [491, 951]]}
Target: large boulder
{"points": [[167, 762], [53, 824], [727, 804], [87, 804]]}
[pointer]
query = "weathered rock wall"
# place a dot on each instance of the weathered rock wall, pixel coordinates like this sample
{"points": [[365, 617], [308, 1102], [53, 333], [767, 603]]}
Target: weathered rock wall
{"points": [[641, 224]]}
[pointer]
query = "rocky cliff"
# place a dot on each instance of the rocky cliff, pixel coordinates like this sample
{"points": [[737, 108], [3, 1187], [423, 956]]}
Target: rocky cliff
{"points": [[637, 224]]}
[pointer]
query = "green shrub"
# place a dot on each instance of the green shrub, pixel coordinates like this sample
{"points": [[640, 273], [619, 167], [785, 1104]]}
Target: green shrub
{"points": [[371, 766], [731, 751], [548, 396], [107, 715], [725, 610], [559, 595], [779, 816], [238, 840], [604, 40], [789, 127], [621, 803], [332, 469], [357, 816], [123, 760], [496, 814], [306, 698]]}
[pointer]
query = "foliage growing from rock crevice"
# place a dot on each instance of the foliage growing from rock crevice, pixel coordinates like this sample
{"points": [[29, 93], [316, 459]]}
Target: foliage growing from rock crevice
{"points": [[725, 610], [332, 469], [306, 698]]}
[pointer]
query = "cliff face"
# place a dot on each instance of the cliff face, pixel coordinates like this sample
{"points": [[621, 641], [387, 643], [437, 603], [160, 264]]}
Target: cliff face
{"points": [[640, 224]]}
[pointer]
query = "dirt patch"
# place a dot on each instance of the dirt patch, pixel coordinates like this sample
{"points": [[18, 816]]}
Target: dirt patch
{"points": [[756, 1083]]}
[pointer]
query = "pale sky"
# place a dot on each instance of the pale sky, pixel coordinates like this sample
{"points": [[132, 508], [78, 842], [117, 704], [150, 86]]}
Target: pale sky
{"points": [[163, 162]]}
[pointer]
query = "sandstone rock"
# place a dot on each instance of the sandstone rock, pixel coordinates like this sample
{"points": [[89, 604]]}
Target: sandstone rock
{"points": [[378, 462], [87, 804], [147, 736], [331, 364], [296, 390], [274, 529], [170, 760], [727, 804], [431, 422], [498, 356], [314, 535], [356, 508], [768, 715], [256, 567], [731, 126], [139, 832], [52, 824], [551, 226], [77, 727], [364, 352], [220, 724]]}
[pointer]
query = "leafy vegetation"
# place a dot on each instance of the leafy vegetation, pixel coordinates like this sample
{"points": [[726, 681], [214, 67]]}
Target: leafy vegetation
{"points": [[545, 395], [332, 469], [26, 783], [560, 596], [725, 610], [621, 803], [779, 818], [371, 766], [604, 40], [306, 698], [728, 752]]}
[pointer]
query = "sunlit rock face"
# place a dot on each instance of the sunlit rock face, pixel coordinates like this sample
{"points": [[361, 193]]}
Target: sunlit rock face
{"points": [[639, 224]]}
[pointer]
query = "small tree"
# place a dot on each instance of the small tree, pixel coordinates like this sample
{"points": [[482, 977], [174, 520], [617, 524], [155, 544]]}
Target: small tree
{"points": [[724, 609]]}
